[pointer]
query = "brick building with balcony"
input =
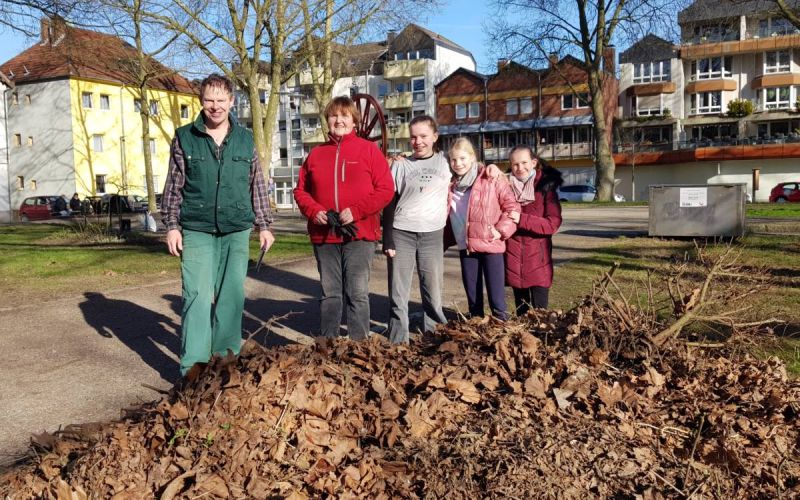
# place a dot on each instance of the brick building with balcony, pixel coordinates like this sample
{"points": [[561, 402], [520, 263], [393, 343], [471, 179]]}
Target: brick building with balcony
{"points": [[732, 91], [545, 108]]}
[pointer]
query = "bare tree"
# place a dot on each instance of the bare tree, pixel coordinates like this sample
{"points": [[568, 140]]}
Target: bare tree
{"points": [[531, 30], [790, 10], [23, 15]]}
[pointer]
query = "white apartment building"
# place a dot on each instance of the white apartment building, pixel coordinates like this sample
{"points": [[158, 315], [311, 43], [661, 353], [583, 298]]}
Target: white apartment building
{"points": [[716, 108], [5, 186]]}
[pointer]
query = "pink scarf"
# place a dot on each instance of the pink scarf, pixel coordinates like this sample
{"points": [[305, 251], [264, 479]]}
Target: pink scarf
{"points": [[524, 190]]}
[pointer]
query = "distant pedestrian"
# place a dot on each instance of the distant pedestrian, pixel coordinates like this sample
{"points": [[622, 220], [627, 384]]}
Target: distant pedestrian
{"points": [[214, 194], [529, 252], [75, 203], [342, 187], [480, 222], [413, 229], [60, 206]]}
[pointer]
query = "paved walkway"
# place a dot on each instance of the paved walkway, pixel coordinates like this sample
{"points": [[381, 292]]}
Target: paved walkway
{"points": [[84, 357]]}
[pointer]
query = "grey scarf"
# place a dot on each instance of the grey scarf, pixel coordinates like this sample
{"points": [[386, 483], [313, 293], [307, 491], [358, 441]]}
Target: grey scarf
{"points": [[467, 180]]}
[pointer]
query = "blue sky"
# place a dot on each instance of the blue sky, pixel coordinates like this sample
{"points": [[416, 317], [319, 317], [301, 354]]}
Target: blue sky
{"points": [[458, 20]]}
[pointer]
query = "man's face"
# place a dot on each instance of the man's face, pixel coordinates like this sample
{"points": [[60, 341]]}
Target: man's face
{"points": [[422, 139], [217, 102], [522, 164]]}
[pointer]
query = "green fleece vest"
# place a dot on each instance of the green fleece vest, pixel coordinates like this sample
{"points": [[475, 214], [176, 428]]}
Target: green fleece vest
{"points": [[216, 194]]}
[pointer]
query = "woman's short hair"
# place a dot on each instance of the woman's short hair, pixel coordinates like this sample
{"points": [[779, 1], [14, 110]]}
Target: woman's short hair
{"points": [[344, 105], [424, 119], [462, 144]]}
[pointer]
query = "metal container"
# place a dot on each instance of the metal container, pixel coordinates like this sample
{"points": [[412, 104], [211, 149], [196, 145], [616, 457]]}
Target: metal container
{"points": [[697, 210]]}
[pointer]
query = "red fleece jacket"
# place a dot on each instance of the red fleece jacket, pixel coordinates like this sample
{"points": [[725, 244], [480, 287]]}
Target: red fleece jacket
{"points": [[350, 172]]}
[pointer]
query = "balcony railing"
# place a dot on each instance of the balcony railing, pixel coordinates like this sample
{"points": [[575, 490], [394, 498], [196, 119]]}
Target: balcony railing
{"points": [[560, 151], [770, 32], [309, 107], [496, 154], [403, 69], [711, 38], [313, 135], [397, 100]]}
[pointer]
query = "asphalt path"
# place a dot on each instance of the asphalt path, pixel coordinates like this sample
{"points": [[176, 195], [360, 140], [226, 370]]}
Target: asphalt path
{"points": [[85, 357]]}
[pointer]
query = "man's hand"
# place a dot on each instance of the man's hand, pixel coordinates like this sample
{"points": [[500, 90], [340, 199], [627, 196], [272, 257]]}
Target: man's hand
{"points": [[345, 216], [389, 252], [175, 242], [321, 218], [266, 238], [514, 216]]}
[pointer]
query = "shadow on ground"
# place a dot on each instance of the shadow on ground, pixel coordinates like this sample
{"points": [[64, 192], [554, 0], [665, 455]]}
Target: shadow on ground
{"points": [[138, 328]]}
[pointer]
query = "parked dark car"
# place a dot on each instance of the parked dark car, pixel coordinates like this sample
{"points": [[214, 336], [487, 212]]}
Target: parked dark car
{"points": [[37, 208], [785, 192]]}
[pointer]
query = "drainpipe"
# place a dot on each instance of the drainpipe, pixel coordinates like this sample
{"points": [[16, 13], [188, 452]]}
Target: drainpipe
{"points": [[122, 142], [538, 116], [485, 117]]}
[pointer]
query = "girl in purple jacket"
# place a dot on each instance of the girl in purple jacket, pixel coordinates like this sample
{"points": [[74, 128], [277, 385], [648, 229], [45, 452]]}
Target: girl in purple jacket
{"points": [[529, 252], [480, 217]]}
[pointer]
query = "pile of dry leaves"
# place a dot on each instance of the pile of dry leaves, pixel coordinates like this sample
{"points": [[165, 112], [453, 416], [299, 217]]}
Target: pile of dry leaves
{"points": [[555, 404]]}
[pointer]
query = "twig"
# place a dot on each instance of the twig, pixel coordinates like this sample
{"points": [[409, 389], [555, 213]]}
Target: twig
{"points": [[153, 388], [694, 448], [666, 429], [680, 491]]}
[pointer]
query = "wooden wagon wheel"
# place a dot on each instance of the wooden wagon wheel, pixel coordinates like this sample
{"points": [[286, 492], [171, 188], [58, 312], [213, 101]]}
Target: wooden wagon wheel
{"points": [[371, 117]]}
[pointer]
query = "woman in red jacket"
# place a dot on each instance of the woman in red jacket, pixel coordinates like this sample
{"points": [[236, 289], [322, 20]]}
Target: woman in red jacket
{"points": [[347, 175], [529, 252], [480, 220]]}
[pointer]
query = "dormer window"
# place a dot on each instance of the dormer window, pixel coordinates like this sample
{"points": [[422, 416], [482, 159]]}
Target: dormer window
{"points": [[774, 26]]}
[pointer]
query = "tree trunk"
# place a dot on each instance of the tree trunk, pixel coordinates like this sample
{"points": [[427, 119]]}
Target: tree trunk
{"points": [[604, 160]]}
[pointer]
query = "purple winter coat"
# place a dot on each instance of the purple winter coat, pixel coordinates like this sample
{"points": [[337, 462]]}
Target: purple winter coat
{"points": [[529, 252]]}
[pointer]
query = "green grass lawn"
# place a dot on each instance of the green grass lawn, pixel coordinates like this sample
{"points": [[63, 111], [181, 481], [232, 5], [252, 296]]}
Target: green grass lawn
{"points": [[777, 258], [774, 210], [45, 261]]}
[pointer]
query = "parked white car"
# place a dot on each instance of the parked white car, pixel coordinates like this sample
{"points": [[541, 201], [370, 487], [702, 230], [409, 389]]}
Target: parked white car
{"points": [[581, 193]]}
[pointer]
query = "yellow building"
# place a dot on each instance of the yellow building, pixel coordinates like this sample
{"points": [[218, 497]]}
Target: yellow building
{"points": [[73, 116]]}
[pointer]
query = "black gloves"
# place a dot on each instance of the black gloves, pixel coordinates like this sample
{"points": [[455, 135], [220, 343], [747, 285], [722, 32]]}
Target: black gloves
{"points": [[344, 230]]}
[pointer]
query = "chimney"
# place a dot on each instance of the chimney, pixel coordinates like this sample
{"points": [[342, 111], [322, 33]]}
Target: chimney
{"points": [[502, 63], [609, 59], [44, 30], [390, 36], [553, 58], [51, 31]]}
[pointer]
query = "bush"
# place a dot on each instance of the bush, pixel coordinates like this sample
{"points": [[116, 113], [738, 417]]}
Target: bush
{"points": [[738, 108]]}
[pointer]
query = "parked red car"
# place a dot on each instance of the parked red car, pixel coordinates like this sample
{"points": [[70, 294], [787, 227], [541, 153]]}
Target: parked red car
{"points": [[785, 192], [37, 208]]}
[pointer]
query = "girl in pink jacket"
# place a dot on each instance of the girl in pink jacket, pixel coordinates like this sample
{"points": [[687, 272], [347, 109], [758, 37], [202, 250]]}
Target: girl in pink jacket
{"points": [[480, 218]]}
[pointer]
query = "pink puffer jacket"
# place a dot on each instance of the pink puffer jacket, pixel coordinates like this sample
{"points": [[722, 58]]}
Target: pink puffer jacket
{"points": [[489, 205]]}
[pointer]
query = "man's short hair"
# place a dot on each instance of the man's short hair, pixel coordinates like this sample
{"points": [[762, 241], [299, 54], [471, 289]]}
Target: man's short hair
{"points": [[216, 80]]}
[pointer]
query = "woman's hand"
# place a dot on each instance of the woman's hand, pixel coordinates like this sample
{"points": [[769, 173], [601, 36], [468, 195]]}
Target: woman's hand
{"points": [[321, 218], [495, 234], [514, 216], [493, 172], [345, 216]]}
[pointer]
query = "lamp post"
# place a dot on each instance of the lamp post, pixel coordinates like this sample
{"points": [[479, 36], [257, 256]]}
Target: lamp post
{"points": [[393, 125]]}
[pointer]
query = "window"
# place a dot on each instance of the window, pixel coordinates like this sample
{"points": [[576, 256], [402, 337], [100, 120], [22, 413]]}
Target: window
{"points": [[418, 90], [296, 136], [654, 71], [777, 61], [100, 182], [18, 140], [525, 106], [776, 97], [474, 110], [284, 153], [512, 107], [706, 102], [153, 108], [712, 67], [282, 126], [105, 101], [263, 95], [774, 26], [566, 136], [20, 183], [30, 140], [583, 134], [401, 87], [14, 99], [296, 124], [97, 143], [33, 185], [648, 105], [572, 101], [383, 89], [184, 111], [27, 99], [461, 111], [152, 146], [86, 99], [137, 105]]}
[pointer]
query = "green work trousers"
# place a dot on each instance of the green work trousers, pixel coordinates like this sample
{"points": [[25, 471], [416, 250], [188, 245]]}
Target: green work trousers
{"points": [[213, 268]]}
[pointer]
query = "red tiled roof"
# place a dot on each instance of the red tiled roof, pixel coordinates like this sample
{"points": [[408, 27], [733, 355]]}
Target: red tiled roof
{"points": [[87, 54]]}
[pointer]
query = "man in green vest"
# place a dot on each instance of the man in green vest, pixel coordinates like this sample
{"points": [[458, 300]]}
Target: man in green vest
{"points": [[215, 193]]}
